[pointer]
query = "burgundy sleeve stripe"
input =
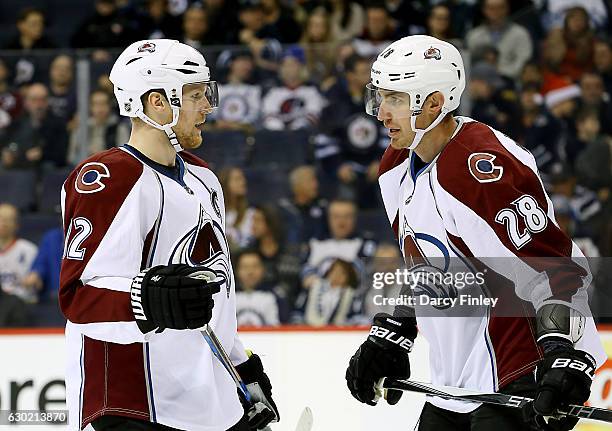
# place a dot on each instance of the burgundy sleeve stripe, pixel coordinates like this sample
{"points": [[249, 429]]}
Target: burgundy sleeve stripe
{"points": [[87, 304], [487, 199], [391, 159]]}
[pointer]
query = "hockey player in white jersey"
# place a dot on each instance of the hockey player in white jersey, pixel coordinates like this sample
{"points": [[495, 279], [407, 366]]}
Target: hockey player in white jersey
{"points": [[455, 188], [146, 263]]}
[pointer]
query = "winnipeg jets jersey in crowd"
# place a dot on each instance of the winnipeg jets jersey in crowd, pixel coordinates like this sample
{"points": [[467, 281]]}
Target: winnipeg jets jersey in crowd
{"points": [[287, 108], [482, 197], [239, 102], [123, 213], [15, 263]]}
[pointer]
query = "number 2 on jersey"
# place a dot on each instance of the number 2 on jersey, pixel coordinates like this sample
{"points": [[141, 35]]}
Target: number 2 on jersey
{"points": [[80, 228], [534, 217]]}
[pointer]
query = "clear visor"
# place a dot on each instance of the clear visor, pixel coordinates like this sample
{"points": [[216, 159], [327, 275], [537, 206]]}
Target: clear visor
{"points": [[380, 102], [200, 97]]}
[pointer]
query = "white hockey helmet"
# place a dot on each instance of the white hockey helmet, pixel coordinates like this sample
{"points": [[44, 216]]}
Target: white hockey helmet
{"points": [[419, 66], [159, 64]]}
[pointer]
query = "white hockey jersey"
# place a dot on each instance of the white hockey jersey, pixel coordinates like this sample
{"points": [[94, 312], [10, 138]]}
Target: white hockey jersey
{"points": [[481, 200], [121, 214], [15, 263]]}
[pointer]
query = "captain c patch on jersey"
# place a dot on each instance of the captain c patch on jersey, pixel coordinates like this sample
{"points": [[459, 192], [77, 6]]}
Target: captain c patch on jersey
{"points": [[89, 179], [482, 168]]}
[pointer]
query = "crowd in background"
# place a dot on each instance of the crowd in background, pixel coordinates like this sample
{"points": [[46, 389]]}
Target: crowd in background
{"points": [[539, 71]]}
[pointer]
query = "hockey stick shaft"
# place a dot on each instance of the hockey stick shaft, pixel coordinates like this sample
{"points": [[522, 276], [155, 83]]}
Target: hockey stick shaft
{"points": [[223, 357], [462, 394]]}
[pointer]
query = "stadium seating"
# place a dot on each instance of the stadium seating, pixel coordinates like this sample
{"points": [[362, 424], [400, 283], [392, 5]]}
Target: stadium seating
{"points": [[49, 201], [287, 148], [223, 148], [266, 185], [18, 188], [34, 225]]}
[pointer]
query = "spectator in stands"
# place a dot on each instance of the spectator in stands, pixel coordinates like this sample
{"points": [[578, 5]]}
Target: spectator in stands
{"points": [[439, 24], [222, 21], [303, 213], [13, 311], [566, 219], [343, 243], [28, 68], [332, 298], [106, 28], [603, 63], [37, 137], [239, 98], [351, 142], [568, 51], [195, 26], [62, 94], [493, 103], [262, 39], [318, 44], [104, 130], [157, 22], [280, 19], [593, 154], [10, 100], [593, 96], [555, 12], [295, 104], [44, 275], [531, 76], [542, 133], [16, 255], [347, 19], [282, 264], [238, 212], [257, 303], [511, 40], [387, 259], [378, 32]]}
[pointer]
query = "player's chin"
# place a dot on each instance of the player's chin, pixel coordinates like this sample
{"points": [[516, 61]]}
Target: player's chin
{"points": [[400, 143], [193, 141]]}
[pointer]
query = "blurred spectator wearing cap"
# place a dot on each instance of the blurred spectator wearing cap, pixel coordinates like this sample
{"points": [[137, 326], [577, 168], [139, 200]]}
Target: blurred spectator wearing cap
{"points": [[350, 142], [304, 212], [106, 28], [347, 19], [542, 133], [603, 63], [28, 68], [62, 93], [562, 101], [195, 27], [568, 51], [16, 255], [511, 40], [38, 136], [295, 104], [257, 302], [318, 44], [493, 103], [593, 96], [439, 24], [104, 130], [239, 99], [10, 100], [379, 31]]}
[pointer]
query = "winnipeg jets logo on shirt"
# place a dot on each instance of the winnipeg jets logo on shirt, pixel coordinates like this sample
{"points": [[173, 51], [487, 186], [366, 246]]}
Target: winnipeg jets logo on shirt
{"points": [[205, 245], [89, 179], [482, 168]]}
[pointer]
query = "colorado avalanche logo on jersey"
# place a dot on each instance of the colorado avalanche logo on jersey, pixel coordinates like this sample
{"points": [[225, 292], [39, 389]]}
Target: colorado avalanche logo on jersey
{"points": [[433, 53], [89, 178], [482, 168], [205, 245], [420, 265]]}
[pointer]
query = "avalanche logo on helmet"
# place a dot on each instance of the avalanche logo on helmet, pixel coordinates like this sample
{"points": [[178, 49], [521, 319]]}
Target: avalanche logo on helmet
{"points": [[147, 46], [433, 53], [89, 179]]}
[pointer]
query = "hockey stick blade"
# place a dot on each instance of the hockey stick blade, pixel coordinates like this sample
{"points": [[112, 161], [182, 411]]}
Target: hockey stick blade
{"points": [[305, 421], [462, 394]]}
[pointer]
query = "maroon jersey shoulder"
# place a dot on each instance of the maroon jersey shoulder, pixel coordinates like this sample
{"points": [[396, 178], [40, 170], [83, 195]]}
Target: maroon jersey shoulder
{"points": [[192, 159]]}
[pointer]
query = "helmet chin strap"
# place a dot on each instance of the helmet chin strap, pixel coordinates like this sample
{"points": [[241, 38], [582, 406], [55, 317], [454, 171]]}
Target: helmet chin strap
{"points": [[419, 133], [167, 128]]}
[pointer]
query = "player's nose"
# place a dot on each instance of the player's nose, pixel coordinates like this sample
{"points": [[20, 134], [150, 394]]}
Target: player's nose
{"points": [[382, 114]]}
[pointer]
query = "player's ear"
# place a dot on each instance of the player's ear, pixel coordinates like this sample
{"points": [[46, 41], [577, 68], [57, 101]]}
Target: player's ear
{"points": [[434, 103], [156, 101]]}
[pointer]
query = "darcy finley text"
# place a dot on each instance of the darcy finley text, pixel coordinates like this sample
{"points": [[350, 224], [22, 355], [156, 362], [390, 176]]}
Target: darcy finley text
{"points": [[423, 300]]}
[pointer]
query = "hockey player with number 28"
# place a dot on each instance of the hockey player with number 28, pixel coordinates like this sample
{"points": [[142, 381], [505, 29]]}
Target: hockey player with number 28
{"points": [[146, 264], [456, 188]]}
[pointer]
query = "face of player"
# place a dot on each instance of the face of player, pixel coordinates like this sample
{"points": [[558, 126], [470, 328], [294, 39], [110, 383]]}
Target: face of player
{"points": [[394, 112], [192, 115]]}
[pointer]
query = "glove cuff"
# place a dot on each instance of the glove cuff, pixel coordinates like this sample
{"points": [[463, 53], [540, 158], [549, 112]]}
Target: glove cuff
{"points": [[393, 332]]}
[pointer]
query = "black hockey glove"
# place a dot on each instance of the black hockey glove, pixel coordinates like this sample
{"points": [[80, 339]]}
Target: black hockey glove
{"points": [[564, 375], [262, 410], [383, 354], [173, 296]]}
